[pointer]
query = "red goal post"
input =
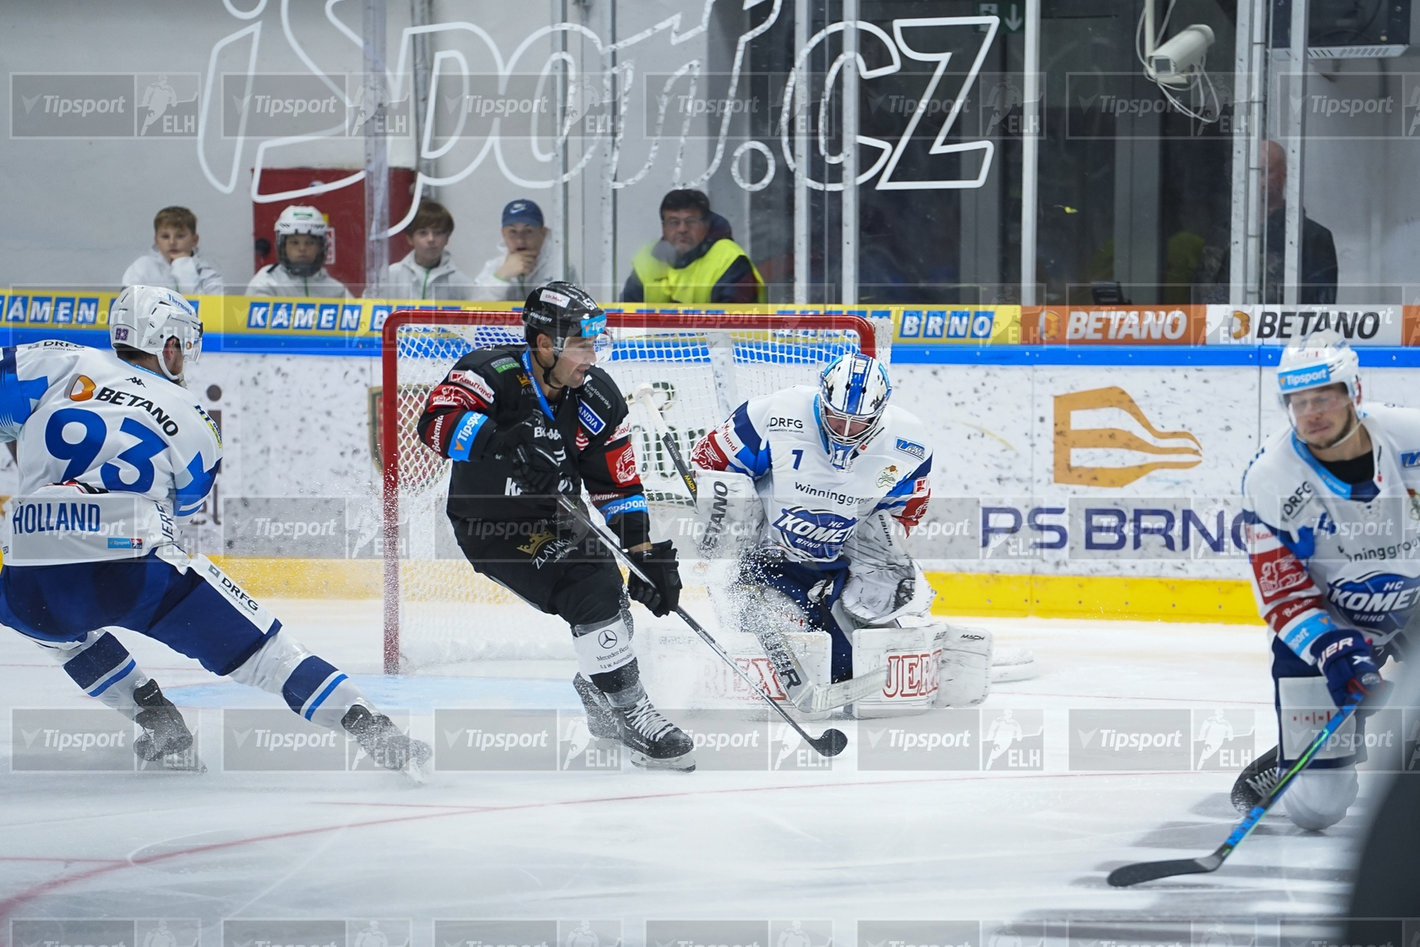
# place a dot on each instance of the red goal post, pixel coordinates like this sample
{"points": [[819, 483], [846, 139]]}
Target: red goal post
{"points": [[701, 365]]}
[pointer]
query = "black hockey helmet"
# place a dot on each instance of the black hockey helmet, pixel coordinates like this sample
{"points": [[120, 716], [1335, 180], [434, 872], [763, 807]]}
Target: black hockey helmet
{"points": [[561, 311]]}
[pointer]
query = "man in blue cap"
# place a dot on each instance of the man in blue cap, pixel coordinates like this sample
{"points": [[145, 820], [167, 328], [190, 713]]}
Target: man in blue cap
{"points": [[528, 256]]}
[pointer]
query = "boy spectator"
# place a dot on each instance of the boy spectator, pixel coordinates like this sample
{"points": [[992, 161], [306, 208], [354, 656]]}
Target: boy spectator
{"points": [[428, 272], [527, 259], [173, 261], [299, 269], [695, 261]]}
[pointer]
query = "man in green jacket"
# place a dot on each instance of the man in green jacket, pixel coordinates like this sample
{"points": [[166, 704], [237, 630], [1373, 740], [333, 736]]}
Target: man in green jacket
{"points": [[695, 261]]}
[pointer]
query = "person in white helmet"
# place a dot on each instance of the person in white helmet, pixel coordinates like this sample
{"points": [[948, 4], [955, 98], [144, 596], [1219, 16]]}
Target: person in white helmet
{"points": [[808, 495], [1333, 532], [112, 453], [299, 269]]}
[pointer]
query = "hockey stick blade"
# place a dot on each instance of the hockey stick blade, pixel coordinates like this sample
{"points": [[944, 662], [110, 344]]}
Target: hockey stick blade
{"points": [[1127, 875], [830, 743]]}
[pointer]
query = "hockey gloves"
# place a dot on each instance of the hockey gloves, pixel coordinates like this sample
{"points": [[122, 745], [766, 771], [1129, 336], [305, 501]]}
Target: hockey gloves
{"points": [[662, 593], [1346, 658], [538, 455]]}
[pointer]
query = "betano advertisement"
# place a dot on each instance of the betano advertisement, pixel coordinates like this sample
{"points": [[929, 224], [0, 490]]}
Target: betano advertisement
{"points": [[1103, 482]]}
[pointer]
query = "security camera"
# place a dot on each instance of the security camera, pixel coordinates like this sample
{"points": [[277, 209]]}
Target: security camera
{"points": [[1170, 63]]}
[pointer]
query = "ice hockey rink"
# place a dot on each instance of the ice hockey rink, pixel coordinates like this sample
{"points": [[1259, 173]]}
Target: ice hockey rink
{"points": [[783, 853]]}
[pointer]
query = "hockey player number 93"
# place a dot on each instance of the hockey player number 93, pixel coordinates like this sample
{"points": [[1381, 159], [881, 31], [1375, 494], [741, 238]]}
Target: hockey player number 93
{"points": [[81, 453]]}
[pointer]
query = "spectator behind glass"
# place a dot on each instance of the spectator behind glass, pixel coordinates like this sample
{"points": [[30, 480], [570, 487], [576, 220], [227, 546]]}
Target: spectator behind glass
{"points": [[695, 261], [299, 269], [428, 271], [528, 257], [173, 262], [1318, 270]]}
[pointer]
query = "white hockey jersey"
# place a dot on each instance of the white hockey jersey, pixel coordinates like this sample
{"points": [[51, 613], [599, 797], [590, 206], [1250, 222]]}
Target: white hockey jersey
{"points": [[1327, 555], [812, 508], [82, 414]]}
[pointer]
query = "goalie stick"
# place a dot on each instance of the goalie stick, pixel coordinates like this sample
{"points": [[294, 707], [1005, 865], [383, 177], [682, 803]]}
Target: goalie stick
{"points": [[1127, 875], [831, 743], [802, 693]]}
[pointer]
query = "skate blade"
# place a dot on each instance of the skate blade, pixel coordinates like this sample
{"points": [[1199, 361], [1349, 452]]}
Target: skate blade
{"points": [[685, 763], [184, 761]]}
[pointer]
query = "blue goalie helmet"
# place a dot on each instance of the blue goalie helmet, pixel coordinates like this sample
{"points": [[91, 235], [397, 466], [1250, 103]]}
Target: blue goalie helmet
{"points": [[853, 392]]}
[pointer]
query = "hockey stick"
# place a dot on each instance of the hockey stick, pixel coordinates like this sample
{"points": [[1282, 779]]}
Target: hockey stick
{"points": [[806, 696], [831, 743], [1127, 875]]}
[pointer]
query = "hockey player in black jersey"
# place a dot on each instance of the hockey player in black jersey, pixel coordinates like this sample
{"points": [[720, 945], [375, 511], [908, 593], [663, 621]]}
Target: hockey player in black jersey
{"points": [[523, 425]]}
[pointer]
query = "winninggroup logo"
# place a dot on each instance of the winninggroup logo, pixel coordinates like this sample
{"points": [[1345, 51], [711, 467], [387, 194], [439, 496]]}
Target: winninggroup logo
{"points": [[1122, 445]]}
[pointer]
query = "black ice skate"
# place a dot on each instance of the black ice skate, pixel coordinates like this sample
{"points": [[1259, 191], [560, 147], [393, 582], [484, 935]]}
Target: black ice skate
{"points": [[386, 744], [601, 719], [1256, 781], [165, 736], [654, 742]]}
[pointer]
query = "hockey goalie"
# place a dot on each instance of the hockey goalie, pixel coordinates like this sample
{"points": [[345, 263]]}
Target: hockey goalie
{"points": [[805, 497]]}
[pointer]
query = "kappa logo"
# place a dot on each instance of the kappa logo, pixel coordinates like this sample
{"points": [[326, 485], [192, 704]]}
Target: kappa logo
{"points": [[1123, 446]]}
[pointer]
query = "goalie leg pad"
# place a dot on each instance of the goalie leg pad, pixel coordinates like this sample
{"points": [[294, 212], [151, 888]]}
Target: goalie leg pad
{"points": [[729, 515], [964, 677], [909, 655]]}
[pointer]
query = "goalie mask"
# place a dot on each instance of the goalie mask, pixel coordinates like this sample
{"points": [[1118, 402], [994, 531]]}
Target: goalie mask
{"points": [[145, 317], [297, 219], [561, 311], [1319, 361], [853, 392]]}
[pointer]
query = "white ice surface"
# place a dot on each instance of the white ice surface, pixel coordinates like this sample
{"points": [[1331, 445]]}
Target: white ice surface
{"points": [[1021, 853]]}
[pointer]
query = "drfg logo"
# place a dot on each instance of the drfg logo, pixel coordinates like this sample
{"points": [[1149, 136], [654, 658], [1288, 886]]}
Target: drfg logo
{"points": [[96, 740], [1129, 739]]}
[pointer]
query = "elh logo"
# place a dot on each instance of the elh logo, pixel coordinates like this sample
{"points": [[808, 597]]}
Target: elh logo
{"points": [[1123, 465]]}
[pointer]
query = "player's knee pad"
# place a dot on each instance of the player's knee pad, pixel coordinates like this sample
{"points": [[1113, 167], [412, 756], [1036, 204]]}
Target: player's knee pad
{"points": [[964, 673], [1319, 798]]}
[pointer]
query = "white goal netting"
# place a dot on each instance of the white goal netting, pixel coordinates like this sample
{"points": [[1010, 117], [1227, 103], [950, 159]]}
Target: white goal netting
{"points": [[699, 367]]}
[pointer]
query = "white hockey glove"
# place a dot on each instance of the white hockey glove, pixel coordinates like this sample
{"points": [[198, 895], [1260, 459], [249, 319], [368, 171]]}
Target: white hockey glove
{"points": [[729, 517], [883, 581]]}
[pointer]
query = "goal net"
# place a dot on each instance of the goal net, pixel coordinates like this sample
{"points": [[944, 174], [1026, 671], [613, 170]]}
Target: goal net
{"points": [[437, 609]]}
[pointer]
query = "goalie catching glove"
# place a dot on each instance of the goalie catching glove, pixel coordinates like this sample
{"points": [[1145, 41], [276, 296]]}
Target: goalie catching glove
{"points": [[661, 594]]}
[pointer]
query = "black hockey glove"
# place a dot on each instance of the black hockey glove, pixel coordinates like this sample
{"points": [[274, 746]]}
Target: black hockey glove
{"points": [[1346, 658], [538, 456], [662, 594]]}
